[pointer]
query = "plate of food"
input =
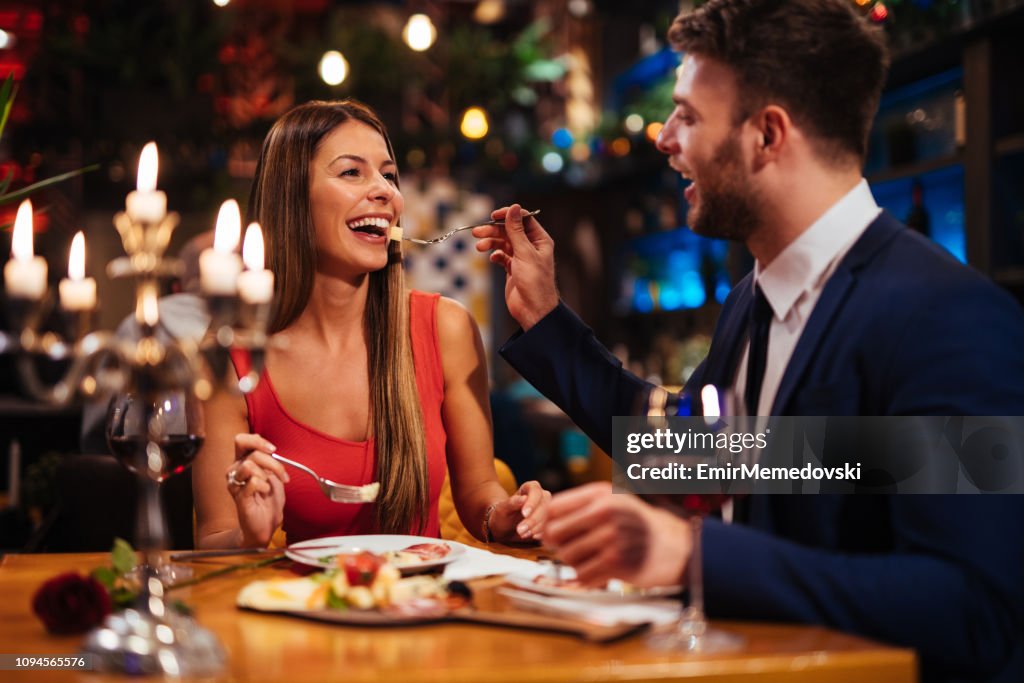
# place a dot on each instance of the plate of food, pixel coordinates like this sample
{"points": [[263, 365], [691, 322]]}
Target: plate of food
{"points": [[565, 585], [408, 554], [364, 588]]}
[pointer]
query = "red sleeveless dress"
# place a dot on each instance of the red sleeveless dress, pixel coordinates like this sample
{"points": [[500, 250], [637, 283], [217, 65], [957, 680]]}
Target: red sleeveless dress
{"points": [[307, 512]]}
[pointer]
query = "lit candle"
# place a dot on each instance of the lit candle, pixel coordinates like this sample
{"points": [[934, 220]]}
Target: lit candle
{"points": [[25, 273], [219, 267], [147, 204], [255, 285], [77, 292]]}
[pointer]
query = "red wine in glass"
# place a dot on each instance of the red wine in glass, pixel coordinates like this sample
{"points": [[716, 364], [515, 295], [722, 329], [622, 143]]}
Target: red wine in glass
{"points": [[177, 451], [703, 503]]}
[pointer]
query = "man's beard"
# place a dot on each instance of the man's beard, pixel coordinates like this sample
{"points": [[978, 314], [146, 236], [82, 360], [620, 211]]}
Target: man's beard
{"points": [[726, 208]]}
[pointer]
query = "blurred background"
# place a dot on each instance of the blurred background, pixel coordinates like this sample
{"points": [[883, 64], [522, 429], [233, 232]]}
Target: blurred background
{"points": [[551, 103]]}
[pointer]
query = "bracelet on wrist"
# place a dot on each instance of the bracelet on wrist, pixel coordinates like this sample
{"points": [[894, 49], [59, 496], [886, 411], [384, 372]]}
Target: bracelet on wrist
{"points": [[488, 537]]}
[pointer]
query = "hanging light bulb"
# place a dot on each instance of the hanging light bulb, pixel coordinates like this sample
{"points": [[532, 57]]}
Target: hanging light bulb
{"points": [[419, 32], [333, 67]]}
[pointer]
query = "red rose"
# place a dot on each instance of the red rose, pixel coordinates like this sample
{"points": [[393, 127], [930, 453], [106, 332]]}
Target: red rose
{"points": [[71, 603]]}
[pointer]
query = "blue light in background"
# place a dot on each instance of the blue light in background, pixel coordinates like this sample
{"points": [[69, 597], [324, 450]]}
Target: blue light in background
{"points": [[642, 301], [943, 199], [693, 295], [681, 269], [722, 290], [562, 138]]}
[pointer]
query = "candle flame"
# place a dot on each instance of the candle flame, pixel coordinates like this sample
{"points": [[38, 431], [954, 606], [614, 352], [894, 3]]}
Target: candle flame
{"points": [[76, 262], [150, 308], [252, 247], [709, 397], [229, 227], [149, 162], [21, 241]]}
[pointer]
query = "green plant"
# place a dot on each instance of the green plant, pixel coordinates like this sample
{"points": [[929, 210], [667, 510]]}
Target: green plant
{"points": [[7, 95]]}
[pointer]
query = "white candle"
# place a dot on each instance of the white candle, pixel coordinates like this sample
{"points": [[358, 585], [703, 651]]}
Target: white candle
{"points": [[147, 204], [25, 273], [255, 285], [77, 292], [219, 267]]}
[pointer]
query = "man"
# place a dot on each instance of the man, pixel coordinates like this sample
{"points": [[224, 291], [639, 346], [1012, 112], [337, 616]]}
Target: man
{"points": [[850, 313]]}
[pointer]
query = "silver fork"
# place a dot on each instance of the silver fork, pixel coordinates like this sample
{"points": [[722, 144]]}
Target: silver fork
{"points": [[442, 238], [338, 493]]}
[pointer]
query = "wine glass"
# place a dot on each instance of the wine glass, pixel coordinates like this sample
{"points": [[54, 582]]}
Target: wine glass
{"points": [[155, 435], [691, 632]]}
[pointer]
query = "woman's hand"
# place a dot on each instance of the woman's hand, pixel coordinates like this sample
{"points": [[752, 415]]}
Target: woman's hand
{"points": [[256, 483], [521, 516]]}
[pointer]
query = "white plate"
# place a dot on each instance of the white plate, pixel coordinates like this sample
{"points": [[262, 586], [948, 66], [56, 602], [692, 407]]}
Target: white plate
{"points": [[616, 591], [375, 543]]}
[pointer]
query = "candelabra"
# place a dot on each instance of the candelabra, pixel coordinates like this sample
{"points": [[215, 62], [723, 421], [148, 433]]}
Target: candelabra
{"points": [[147, 429]]}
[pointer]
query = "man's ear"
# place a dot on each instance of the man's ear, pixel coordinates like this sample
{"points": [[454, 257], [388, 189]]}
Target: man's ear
{"points": [[772, 128], [774, 125]]}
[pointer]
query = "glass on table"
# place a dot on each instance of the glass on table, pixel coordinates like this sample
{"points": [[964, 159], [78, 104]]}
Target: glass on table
{"points": [[691, 633], [156, 436]]}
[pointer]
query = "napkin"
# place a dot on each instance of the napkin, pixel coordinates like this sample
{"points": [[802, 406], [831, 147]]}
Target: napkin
{"points": [[655, 612], [476, 563]]}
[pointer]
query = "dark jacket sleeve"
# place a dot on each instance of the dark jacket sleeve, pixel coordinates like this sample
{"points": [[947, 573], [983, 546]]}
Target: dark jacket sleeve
{"points": [[563, 359], [951, 590]]}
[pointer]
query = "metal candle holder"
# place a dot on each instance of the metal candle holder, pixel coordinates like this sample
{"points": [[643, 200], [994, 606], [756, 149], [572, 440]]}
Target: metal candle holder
{"points": [[149, 637]]}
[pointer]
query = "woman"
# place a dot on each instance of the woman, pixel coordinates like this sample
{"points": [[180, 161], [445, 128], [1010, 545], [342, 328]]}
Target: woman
{"points": [[367, 381]]}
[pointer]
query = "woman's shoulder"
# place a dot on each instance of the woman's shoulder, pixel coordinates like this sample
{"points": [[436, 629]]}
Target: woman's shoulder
{"points": [[454, 319], [456, 329], [451, 316]]}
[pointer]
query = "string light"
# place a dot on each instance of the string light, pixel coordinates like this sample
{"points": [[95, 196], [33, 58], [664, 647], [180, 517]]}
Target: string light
{"points": [[474, 123], [879, 12], [333, 67], [552, 162], [653, 129], [634, 123], [562, 138], [419, 32]]}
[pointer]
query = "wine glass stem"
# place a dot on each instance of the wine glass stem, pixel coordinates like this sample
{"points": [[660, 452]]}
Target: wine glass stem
{"points": [[152, 534], [693, 622]]}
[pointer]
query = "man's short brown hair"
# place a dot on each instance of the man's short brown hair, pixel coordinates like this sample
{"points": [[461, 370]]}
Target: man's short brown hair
{"points": [[819, 59]]}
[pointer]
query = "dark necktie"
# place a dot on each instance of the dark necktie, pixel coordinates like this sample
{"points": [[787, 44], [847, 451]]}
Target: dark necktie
{"points": [[760, 326]]}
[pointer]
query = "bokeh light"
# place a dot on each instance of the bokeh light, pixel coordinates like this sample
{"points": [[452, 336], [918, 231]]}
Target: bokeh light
{"points": [[474, 123], [333, 67]]}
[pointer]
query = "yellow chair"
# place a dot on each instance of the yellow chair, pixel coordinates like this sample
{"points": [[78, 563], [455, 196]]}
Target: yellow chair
{"points": [[452, 528]]}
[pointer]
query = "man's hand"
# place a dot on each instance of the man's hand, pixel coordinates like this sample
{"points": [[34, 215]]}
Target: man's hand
{"points": [[527, 253], [605, 536]]}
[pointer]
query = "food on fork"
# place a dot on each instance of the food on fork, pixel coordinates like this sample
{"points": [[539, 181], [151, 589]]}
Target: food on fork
{"points": [[395, 233]]}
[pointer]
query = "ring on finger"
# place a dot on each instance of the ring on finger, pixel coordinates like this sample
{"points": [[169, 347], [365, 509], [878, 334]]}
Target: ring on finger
{"points": [[235, 481]]}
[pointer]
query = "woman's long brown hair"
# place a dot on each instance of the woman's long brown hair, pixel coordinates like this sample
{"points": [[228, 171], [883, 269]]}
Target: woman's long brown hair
{"points": [[280, 202]]}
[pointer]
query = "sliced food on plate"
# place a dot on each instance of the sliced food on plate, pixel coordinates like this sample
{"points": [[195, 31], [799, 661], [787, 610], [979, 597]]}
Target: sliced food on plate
{"points": [[361, 581]]}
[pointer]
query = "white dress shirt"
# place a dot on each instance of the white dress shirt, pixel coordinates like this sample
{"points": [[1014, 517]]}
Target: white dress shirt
{"points": [[793, 282]]}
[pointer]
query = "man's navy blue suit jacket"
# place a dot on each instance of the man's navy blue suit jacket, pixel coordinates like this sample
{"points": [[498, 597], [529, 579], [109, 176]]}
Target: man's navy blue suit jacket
{"points": [[901, 328]]}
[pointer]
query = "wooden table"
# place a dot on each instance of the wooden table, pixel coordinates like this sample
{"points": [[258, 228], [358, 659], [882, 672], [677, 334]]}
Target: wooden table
{"points": [[274, 648]]}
